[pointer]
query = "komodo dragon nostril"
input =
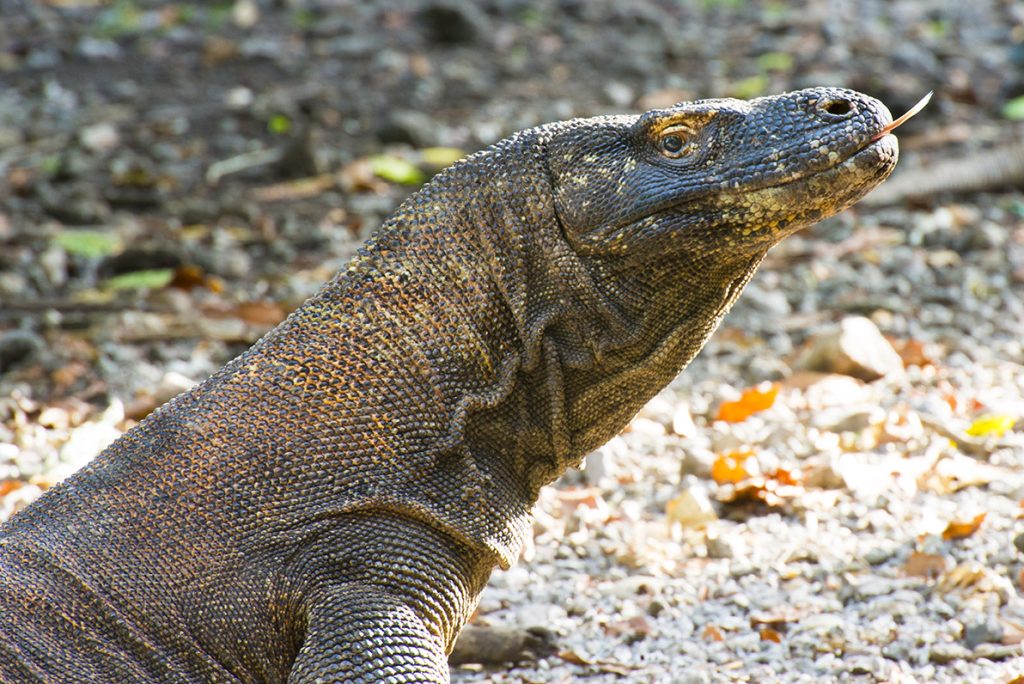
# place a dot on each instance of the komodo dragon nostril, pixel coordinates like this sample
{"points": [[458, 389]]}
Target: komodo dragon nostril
{"points": [[837, 107]]}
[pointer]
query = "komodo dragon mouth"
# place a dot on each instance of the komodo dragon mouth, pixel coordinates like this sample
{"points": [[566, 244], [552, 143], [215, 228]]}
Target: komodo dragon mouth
{"points": [[780, 208], [876, 147], [875, 150]]}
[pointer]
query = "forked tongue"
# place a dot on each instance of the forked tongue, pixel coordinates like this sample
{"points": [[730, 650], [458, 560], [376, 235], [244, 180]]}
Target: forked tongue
{"points": [[903, 119]]}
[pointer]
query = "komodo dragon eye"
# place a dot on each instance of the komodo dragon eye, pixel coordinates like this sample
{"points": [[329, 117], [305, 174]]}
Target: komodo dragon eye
{"points": [[673, 142]]}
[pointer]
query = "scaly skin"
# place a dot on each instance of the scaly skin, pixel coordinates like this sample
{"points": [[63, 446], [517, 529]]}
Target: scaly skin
{"points": [[330, 504]]}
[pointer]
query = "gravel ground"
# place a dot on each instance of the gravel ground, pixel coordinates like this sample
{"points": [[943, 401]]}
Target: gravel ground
{"points": [[862, 526]]}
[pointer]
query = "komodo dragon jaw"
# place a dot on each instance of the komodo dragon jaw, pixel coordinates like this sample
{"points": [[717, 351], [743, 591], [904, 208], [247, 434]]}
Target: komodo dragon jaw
{"points": [[329, 505]]}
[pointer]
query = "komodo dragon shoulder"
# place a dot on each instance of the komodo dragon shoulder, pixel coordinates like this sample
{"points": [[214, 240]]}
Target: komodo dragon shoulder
{"points": [[329, 505]]}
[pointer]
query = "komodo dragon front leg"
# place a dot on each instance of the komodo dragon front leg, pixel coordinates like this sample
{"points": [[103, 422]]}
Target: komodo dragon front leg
{"points": [[329, 505], [392, 614]]}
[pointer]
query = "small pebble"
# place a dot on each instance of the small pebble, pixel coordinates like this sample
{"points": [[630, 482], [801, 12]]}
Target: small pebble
{"points": [[985, 629]]}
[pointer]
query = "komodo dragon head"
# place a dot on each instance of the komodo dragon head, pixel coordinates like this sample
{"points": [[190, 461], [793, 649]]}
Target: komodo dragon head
{"points": [[721, 179], [671, 211]]}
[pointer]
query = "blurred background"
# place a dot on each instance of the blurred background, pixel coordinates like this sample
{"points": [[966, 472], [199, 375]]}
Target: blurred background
{"points": [[175, 177]]}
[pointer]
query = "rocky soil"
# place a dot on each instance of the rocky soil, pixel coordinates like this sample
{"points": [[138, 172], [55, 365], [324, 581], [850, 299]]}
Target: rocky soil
{"points": [[830, 493]]}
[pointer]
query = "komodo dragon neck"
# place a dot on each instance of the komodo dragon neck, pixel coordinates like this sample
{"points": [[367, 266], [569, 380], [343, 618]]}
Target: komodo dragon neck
{"points": [[502, 355]]}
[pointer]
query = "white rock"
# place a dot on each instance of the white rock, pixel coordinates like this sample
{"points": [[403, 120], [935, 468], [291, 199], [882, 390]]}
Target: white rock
{"points": [[856, 348], [682, 422], [99, 137]]}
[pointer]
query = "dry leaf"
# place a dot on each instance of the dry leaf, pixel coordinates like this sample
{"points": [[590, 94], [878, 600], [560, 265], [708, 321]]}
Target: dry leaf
{"points": [[260, 313], [1013, 632], [928, 565], [608, 666], [190, 276], [635, 627], [954, 472], [778, 618], [359, 176], [302, 188], [969, 575], [573, 498], [217, 49], [787, 477], [769, 634], [573, 657], [8, 486], [912, 352], [753, 400], [732, 467], [770, 490], [958, 529], [712, 633], [579, 496], [690, 509]]}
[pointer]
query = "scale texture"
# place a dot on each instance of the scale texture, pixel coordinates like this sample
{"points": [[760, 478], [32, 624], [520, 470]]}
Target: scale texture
{"points": [[329, 505]]}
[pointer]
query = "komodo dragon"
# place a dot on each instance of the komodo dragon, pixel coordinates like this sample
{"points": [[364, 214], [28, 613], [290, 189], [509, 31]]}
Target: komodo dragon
{"points": [[329, 505]]}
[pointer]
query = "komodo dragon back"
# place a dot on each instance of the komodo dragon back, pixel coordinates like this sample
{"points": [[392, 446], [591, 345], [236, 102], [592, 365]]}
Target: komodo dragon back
{"points": [[329, 505]]}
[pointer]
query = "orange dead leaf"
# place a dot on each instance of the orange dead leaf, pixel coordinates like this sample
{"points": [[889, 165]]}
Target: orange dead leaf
{"points": [[786, 477], [912, 352], [187, 277], [924, 565], [753, 400], [773, 490], [769, 634], [958, 529], [712, 633], [190, 276], [731, 467], [8, 486]]}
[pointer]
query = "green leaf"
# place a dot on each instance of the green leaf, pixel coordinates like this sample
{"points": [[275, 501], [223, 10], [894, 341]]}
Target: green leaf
{"points": [[937, 28], [396, 170], [91, 244], [751, 87], [440, 157], [151, 279], [279, 124], [1014, 109], [121, 19], [775, 61], [51, 164], [303, 19]]}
